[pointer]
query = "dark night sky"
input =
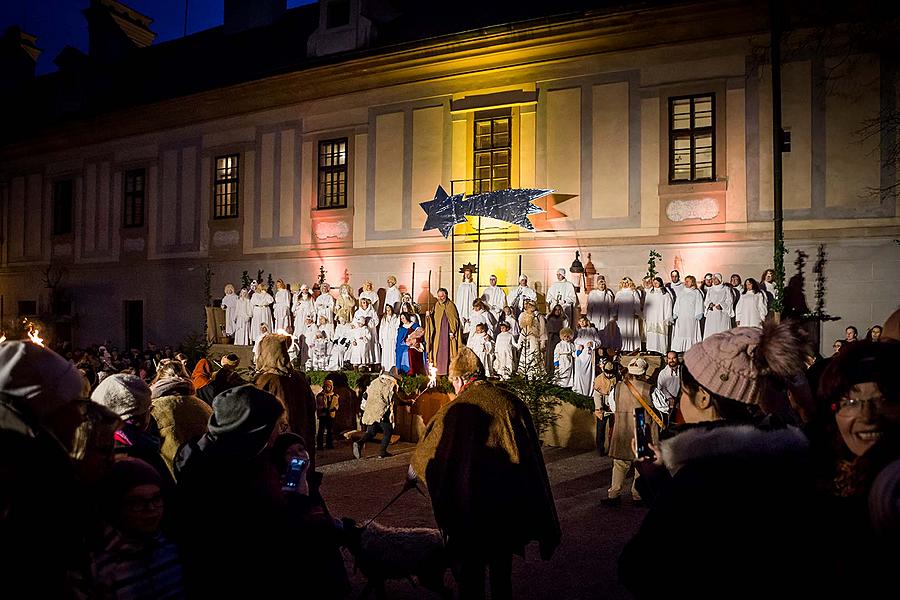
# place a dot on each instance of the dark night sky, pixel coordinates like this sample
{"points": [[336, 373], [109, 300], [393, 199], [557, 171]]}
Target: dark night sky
{"points": [[59, 23]]}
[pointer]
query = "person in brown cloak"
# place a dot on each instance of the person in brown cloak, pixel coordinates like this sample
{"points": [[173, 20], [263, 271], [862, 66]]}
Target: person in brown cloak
{"points": [[443, 333]]}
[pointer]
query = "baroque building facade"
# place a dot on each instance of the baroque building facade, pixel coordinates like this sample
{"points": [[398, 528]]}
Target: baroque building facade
{"points": [[653, 126]]}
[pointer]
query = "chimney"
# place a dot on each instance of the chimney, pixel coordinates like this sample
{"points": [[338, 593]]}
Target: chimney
{"points": [[241, 15], [18, 55], [114, 29]]}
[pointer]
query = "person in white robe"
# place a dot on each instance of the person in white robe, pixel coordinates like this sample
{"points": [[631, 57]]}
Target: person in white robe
{"points": [[303, 305], [392, 295], [506, 351], [387, 337], [465, 296], [564, 359], [562, 292], [507, 317], [494, 298], [243, 317], [532, 339], [555, 322], [408, 306], [370, 319], [675, 285], [282, 306], [767, 283], [585, 361], [360, 337], [668, 385], [229, 303], [325, 302], [627, 313], [482, 345], [751, 307], [340, 345], [321, 351], [262, 312], [600, 303], [657, 317], [736, 287], [520, 295], [370, 293], [687, 312], [718, 308], [480, 314], [326, 326]]}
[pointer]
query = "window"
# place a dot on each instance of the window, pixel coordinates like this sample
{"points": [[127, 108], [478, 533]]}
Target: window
{"points": [[692, 143], [333, 173], [226, 187], [133, 211], [493, 144], [62, 207], [338, 14]]}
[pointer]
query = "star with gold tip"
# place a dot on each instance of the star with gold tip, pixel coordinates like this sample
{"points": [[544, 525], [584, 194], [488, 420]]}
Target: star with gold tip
{"points": [[443, 212]]}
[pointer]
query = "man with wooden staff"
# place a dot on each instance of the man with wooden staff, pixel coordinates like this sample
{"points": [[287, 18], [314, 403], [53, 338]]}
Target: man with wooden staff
{"points": [[443, 332]]}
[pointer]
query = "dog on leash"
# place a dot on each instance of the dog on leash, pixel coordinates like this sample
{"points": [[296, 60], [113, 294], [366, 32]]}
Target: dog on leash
{"points": [[382, 553]]}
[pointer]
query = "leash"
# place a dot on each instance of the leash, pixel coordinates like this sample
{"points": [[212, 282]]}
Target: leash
{"points": [[405, 489]]}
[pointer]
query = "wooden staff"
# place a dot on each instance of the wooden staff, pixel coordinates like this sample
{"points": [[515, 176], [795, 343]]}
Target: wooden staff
{"points": [[412, 290], [520, 268], [429, 290]]}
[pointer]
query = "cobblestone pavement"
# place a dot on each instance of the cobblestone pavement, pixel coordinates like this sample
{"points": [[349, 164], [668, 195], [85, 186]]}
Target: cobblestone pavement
{"points": [[583, 567]]}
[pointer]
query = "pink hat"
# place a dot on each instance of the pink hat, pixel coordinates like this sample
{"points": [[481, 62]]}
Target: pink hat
{"points": [[733, 364]]}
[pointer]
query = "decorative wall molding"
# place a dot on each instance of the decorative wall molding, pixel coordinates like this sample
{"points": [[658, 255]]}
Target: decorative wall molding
{"points": [[134, 244], [226, 238], [332, 229], [704, 209]]}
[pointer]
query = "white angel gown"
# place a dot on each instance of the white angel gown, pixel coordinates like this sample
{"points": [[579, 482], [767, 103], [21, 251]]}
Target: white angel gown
{"points": [[465, 296], [387, 338], [262, 314], [282, 309], [229, 302], [563, 357], [687, 312], [505, 353], [717, 320], [483, 347], [627, 313], [657, 319], [600, 307], [751, 309], [243, 315]]}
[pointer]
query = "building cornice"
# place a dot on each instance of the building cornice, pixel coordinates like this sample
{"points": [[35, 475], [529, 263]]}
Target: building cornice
{"points": [[496, 48]]}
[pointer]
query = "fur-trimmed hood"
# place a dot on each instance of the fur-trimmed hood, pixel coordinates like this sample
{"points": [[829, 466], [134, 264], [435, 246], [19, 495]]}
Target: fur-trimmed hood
{"points": [[737, 441]]}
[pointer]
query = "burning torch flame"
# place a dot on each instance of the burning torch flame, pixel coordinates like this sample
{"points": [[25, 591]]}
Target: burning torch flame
{"points": [[432, 377], [34, 336]]}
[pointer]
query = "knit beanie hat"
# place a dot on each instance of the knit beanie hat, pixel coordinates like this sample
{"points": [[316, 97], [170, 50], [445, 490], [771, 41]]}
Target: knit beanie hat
{"points": [[245, 409], [37, 379], [126, 395], [734, 364]]}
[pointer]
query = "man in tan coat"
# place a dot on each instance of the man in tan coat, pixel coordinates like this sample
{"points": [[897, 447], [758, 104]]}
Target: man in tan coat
{"points": [[443, 333], [481, 460]]}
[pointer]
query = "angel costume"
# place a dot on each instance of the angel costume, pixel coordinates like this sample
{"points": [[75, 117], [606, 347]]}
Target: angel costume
{"points": [[600, 305], [325, 305], [387, 340], [482, 316], [370, 320], [262, 315], [361, 339], [505, 352], [562, 292], [372, 296], [303, 306], [519, 296], [483, 347], [465, 296], [687, 312], [585, 361], [627, 313], [243, 314], [751, 309], [340, 345], [718, 309], [392, 298], [657, 318], [565, 365], [229, 302], [494, 298], [282, 309], [508, 318]]}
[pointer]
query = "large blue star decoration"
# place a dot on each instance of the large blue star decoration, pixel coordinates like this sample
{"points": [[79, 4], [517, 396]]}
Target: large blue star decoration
{"points": [[510, 205], [443, 211]]}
